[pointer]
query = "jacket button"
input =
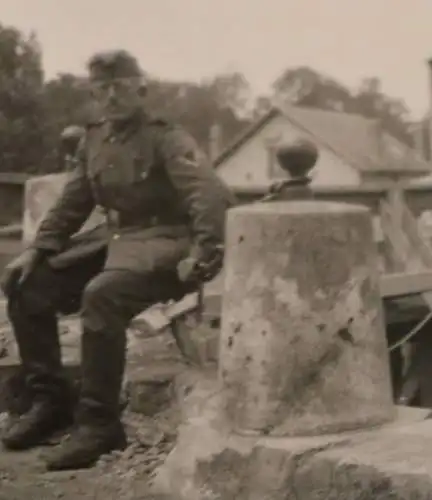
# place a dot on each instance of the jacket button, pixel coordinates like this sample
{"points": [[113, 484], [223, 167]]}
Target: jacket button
{"points": [[116, 236]]}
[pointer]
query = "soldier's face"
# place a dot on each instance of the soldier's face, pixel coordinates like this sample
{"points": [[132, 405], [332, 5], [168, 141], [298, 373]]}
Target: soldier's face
{"points": [[119, 97]]}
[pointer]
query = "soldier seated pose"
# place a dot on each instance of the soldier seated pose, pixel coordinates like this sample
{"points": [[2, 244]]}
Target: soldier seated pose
{"points": [[166, 216]]}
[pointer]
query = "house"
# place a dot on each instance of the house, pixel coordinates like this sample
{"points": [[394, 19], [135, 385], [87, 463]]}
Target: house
{"points": [[352, 149]]}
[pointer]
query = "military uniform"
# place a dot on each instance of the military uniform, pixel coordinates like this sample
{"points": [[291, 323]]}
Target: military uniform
{"points": [[163, 205]]}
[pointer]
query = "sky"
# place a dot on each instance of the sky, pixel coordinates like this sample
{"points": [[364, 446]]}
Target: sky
{"points": [[195, 39]]}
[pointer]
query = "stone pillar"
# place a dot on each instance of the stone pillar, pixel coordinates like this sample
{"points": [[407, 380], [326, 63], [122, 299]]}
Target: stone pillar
{"points": [[303, 347]]}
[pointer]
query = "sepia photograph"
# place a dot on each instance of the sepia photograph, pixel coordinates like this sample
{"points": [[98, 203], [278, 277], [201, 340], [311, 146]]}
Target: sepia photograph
{"points": [[216, 250]]}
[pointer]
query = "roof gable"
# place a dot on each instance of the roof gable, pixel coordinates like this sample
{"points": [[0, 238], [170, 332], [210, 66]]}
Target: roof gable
{"points": [[353, 138]]}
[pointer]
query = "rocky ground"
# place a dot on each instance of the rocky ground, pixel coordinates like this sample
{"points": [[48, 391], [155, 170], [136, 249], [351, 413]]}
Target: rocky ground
{"points": [[122, 475], [151, 420]]}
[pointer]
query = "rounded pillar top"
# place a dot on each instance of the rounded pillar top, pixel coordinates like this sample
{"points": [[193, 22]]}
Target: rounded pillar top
{"points": [[297, 158]]}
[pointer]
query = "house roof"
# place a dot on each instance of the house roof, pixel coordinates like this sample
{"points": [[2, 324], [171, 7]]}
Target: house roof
{"points": [[353, 138]]}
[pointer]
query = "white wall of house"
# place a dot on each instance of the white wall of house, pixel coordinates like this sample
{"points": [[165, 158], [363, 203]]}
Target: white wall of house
{"points": [[250, 165]]}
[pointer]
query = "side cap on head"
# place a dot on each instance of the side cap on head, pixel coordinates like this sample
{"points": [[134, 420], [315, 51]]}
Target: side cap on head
{"points": [[113, 64]]}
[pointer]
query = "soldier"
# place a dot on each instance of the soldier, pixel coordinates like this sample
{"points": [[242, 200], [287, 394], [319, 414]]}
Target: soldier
{"points": [[166, 216]]}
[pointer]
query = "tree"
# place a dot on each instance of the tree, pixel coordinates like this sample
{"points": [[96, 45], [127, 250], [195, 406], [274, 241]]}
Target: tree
{"points": [[263, 104], [230, 91], [197, 107], [304, 86], [370, 101], [21, 84], [66, 101], [34, 112]]}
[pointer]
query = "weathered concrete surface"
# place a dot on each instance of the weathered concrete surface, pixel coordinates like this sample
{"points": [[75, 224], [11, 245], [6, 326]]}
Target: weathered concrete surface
{"points": [[390, 462], [303, 347]]}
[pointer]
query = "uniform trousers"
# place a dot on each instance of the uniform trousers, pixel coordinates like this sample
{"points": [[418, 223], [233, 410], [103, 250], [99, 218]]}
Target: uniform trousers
{"points": [[107, 300]]}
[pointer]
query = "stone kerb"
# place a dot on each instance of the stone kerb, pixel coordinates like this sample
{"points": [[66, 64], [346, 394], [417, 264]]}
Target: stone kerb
{"points": [[303, 348]]}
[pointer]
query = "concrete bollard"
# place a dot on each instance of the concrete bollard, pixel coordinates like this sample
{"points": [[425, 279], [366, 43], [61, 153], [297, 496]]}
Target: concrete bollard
{"points": [[303, 348]]}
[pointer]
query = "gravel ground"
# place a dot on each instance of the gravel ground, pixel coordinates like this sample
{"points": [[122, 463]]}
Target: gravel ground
{"points": [[126, 475], [121, 475]]}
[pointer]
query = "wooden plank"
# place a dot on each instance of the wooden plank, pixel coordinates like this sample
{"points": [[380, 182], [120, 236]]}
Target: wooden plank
{"points": [[415, 279], [160, 316], [396, 241], [405, 283], [420, 241]]}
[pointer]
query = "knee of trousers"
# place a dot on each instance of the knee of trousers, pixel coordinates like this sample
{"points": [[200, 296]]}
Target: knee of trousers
{"points": [[101, 309], [29, 302]]}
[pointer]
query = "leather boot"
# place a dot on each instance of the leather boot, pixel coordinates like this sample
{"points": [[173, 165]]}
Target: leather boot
{"points": [[50, 405], [37, 426], [98, 429]]}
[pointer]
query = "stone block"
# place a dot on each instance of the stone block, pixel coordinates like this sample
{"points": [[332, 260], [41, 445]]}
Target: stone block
{"points": [[209, 461]]}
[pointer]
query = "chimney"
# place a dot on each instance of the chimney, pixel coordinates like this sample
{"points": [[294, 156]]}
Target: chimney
{"points": [[417, 133], [215, 141], [380, 155], [429, 119]]}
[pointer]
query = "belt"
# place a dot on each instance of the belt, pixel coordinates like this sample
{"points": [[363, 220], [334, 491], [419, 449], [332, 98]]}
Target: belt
{"points": [[119, 220]]}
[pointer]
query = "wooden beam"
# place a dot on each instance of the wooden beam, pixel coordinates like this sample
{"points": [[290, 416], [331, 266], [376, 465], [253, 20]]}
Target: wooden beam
{"points": [[406, 283]]}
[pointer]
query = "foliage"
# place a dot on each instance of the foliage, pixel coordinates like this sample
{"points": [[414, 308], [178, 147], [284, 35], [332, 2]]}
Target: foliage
{"points": [[21, 86], [306, 87], [33, 111]]}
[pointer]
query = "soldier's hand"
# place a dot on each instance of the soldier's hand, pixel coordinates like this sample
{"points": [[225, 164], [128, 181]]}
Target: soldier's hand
{"points": [[195, 271], [17, 271], [186, 270]]}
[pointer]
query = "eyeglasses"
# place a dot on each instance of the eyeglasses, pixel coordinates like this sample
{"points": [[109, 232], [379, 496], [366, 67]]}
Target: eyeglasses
{"points": [[119, 86]]}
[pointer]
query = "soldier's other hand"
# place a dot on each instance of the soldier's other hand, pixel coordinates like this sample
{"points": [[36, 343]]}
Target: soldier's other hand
{"points": [[17, 271], [186, 270], [192, 270]]}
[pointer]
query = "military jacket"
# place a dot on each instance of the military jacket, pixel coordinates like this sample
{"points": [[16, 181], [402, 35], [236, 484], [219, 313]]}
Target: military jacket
{"points": [[152, 183]]}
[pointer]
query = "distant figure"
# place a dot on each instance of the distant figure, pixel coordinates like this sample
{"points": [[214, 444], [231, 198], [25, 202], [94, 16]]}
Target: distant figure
{"points": [[70, 140], [166, 213]]}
